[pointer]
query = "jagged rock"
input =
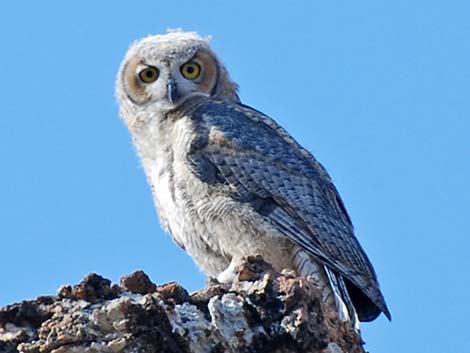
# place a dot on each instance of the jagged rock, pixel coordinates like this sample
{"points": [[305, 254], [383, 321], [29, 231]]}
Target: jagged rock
{"points": [[260, 311]]}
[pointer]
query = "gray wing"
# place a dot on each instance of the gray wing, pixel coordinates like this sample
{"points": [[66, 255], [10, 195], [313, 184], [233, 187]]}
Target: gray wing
{"points": [[264, 166]]}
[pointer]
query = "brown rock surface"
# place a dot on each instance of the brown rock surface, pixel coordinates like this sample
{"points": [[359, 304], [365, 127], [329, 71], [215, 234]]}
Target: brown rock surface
{"points": [[260, 311]]}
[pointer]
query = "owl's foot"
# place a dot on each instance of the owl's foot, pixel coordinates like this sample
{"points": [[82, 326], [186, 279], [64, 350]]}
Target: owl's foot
{"points": [[230, 273], [245, 268]]}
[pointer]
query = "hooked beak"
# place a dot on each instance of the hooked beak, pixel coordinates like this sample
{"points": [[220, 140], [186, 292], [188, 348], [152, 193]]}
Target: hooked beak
{"points": [[172, 91]]}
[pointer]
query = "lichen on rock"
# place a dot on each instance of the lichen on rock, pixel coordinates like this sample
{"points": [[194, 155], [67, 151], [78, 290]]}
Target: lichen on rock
{"points": [[260, 311]]}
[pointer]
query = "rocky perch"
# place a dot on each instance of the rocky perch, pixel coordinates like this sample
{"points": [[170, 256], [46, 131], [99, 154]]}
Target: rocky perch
{"points": [[261, 311]]}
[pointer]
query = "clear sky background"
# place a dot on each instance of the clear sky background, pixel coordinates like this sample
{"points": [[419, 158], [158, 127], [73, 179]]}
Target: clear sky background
{"points": [[377, 90]]}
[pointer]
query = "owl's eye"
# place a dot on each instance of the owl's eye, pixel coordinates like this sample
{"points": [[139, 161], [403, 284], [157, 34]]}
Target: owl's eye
{"points": [[149, 74], [191, 70]]}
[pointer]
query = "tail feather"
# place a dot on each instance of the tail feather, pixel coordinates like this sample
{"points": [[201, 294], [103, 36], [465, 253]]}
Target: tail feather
{"points": [[351, 303], [344, 304]]}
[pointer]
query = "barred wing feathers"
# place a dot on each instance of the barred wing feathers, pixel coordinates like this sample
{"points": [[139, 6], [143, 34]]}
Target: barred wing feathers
{"points": [[288, 187]]}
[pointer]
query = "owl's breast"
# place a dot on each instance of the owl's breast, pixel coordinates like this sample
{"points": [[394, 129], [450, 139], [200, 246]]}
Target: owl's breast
{"points": [[206, 222], [179, 195], [186, 211]]}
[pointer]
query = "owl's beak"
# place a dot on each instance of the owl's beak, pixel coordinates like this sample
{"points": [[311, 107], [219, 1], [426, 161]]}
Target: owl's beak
{"points": [[172, 89]]}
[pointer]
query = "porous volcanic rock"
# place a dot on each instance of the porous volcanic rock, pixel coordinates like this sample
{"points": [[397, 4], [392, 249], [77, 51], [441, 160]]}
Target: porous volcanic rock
{"points": [[260, 311]]}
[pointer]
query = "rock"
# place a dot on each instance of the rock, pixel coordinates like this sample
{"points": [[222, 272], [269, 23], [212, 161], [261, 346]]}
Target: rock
{"points": [[260, 311], [137, 282]]}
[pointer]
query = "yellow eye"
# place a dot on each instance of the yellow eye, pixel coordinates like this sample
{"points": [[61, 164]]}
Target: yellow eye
{"points": [[191, 70], [149, 74]]}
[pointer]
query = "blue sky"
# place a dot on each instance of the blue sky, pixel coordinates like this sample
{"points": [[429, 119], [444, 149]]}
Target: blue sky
{"points": [[377, 90]]}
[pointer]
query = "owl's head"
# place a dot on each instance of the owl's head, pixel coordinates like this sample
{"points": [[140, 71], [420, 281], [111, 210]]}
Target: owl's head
{"points": [[162, 71]]}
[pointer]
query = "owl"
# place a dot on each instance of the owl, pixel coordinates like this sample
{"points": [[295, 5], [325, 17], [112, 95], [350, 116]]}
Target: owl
{"points": [[228, 181]]}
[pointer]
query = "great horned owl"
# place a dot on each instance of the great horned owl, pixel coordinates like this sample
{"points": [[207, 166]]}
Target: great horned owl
{"points": [[228, 181]]}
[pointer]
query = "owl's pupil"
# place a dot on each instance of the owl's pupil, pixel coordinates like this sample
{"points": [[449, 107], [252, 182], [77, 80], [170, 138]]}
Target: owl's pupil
{"points": [[190, 70], [149, 74]]}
